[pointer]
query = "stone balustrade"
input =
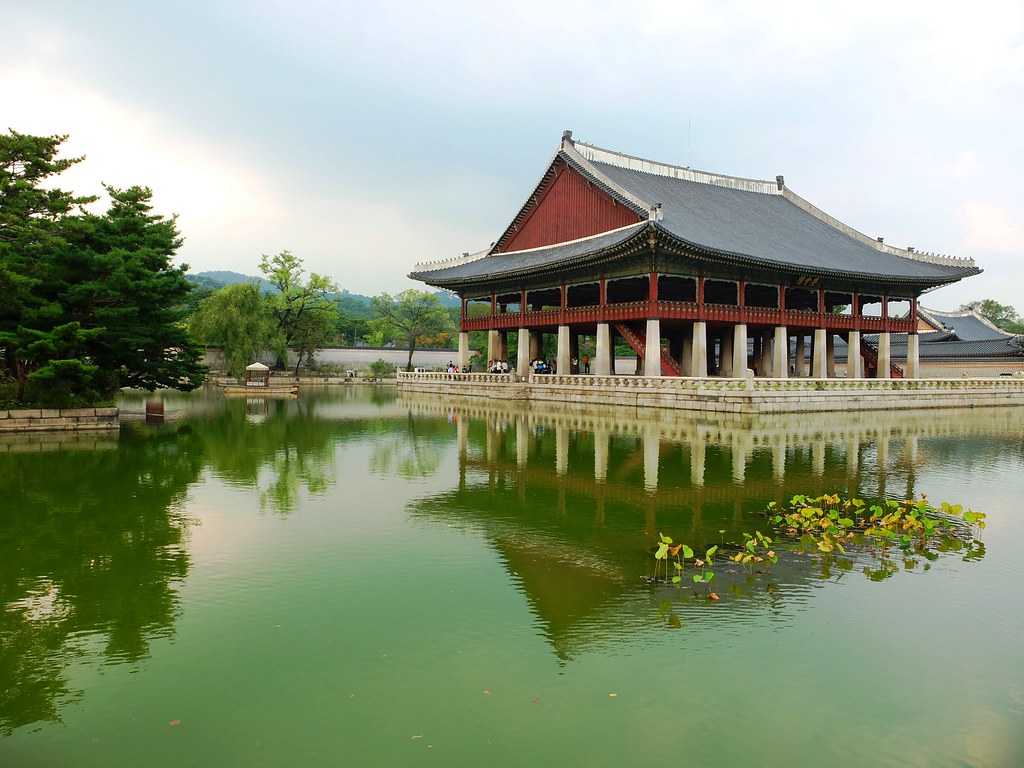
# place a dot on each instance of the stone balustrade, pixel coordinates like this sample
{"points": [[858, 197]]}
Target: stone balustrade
{"points": [[720, 394]]}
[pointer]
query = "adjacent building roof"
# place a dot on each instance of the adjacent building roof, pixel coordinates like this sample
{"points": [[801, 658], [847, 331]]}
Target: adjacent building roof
{"points": [[964, 326], [746, 222]]}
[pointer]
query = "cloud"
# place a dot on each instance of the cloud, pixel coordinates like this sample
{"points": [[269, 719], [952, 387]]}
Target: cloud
{"points": [[213, 193], [991, 229]]}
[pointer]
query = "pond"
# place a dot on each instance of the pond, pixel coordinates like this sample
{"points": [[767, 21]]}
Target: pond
{"points": [[364, 578]]}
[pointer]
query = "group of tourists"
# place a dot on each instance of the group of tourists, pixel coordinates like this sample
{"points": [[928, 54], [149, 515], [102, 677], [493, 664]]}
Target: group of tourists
{"points": [[537, 365]]}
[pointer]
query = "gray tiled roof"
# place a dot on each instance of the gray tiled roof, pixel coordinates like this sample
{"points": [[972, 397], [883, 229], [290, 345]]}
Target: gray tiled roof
{"points": [[524, 261], [766, 228], [967, 326], [757, 223], [937, 350]]}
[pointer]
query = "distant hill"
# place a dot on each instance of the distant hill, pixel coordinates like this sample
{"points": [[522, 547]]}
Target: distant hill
{"points": [[220, 278]]}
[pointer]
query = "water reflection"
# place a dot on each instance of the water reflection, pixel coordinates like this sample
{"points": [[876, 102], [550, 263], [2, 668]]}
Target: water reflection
{"points": [[573, 501], [95, 526], [94, 554]]}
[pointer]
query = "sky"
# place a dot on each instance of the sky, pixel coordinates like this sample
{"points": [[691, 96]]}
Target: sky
{"points": [[367, 137]]}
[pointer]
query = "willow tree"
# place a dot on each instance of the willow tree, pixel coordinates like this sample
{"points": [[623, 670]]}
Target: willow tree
{"points": [[237, 319]]}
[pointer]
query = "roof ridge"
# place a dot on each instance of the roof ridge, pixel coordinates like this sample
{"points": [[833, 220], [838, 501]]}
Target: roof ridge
{"points": [[631, 162], [466, 258]]}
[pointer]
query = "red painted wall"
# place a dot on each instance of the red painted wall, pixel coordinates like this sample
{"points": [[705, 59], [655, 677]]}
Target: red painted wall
{"points": [[569, 208]]}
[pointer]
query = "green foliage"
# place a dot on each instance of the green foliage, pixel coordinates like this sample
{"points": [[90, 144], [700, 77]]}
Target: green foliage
{"points": [[304, 314], [380, 369], [677, 554], [829, 524], [108, 276], [756, 554], [238, 320], [411, 318]]}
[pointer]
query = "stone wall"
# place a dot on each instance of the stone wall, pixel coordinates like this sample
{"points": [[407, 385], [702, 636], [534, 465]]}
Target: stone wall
{"points": [[46, 419], [726, 395]]}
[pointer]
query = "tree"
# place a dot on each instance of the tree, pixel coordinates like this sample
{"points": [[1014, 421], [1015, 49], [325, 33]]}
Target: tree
{"points": [[90, 302], [1002, 315], [410, 318], [117, 275], [304, 313], [237, 319]]}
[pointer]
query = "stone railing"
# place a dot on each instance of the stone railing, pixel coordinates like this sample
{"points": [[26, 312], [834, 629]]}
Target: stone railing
{"points": [[480, 378], [746, 395]]}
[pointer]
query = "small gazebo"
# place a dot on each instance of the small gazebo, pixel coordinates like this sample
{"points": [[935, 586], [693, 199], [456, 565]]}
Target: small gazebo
{"points": [[257, 375]]}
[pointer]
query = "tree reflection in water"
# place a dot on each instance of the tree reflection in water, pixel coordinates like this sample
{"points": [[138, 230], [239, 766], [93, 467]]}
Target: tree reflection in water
{"points": [[98, 552]]}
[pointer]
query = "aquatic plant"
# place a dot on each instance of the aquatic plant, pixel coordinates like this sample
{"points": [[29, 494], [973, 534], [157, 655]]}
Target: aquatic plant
{"points": [[665, 551], [756, 554], [830, 523]]}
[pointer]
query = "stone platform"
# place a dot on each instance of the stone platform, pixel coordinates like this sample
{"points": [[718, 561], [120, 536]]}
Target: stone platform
{"points": [[725, 395]]}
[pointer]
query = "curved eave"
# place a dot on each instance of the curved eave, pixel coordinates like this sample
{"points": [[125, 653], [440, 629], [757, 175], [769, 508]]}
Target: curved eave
{"points": [[687, 248], [633, 239], [534, 263]]}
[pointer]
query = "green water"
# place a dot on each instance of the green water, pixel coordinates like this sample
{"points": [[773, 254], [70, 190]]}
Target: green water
{"points": [[358, 579]]}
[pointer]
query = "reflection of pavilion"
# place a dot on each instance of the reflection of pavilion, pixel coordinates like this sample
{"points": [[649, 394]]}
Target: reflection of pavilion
{"points": [[772, 456], [573, 501]]}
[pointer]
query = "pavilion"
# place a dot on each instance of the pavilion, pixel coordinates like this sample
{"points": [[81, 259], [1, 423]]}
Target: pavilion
{"points": [[702, 274]]}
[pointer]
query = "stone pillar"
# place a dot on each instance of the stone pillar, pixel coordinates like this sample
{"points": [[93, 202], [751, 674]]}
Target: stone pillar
{"points": [[697, 459], [779, 458], [819, 365], [652, 353], [603, 362], [727, 357], [854, 362], [739, 350], [523, 353], [764, 366], [686, 355], [503, 345], [818, 457], [462, 435], [780, 353], [493, 345], [912, 370], [699, 353], [463, 349], [852, 456], [601, 455], [522, 442], [884, 356], [562, 355], [493, 441], [800, 357], [739, 457], [561, 450], [652, 452], [830, 355]]}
